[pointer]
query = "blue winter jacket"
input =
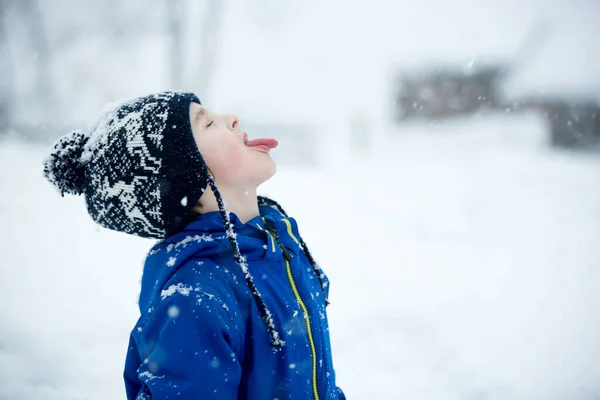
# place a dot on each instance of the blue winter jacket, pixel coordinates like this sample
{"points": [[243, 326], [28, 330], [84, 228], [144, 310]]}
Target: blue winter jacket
{"points": [[200, 334]]}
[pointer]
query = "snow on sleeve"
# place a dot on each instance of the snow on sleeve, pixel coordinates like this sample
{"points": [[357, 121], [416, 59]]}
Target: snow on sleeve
{"points": [[150, 376], [179, 288]]}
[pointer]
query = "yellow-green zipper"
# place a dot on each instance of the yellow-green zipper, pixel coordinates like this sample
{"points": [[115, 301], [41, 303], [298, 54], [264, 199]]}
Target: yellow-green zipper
{"points": [[287, 257], [308, 328]]}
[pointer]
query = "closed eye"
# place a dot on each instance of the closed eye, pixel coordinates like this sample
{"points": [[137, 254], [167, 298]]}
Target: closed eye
{"points": [[210, 123]]}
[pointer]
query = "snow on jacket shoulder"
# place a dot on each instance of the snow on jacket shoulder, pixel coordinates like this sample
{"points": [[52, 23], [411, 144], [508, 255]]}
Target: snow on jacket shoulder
{"points": [[200, 334]]}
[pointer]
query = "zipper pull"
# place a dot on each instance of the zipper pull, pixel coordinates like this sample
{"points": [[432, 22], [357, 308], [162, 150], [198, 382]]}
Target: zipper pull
{"points": [[285, 251], [271, 229]]}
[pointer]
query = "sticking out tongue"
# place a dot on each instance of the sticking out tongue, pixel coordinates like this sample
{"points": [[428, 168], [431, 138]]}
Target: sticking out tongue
{"points": [[265, 143]]}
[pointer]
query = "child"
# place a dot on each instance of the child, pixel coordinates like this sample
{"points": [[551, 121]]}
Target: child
{"points": [[232, 303]]}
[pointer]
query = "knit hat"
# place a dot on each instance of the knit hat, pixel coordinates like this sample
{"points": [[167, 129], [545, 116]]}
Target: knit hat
{"points": [[138, 167], [141, 173]]}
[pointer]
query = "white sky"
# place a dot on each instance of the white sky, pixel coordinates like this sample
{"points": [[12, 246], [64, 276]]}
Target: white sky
{"points": [[332, 57]]}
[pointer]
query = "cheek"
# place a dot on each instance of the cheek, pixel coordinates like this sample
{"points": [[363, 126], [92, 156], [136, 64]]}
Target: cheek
{"points": [[226, 160]]}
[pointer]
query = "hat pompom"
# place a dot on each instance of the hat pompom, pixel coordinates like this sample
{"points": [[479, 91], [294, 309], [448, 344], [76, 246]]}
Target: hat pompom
{"points": [[63, 166]]}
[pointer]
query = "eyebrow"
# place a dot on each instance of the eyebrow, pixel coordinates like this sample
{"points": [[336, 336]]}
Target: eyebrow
{"points": [[201, 112]]}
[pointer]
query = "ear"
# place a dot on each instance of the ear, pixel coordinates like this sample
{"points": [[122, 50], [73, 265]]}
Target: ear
{"points": [[196, 210]]}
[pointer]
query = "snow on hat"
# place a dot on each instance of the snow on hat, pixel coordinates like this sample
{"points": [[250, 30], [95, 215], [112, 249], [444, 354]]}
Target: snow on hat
{"points": [[139, 167]]}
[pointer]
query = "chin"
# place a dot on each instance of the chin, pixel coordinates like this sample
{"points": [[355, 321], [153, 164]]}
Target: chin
{"points": [[269, 171], [265, 171]]}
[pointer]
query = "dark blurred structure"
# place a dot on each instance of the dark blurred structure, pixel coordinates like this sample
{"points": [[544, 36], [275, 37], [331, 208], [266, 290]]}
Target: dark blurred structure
{"points": [[573, 124], [5, 73], [441, 92], [444, 91]]}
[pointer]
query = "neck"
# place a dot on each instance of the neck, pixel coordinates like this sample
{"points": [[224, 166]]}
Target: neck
{"points": [[240, 201]]}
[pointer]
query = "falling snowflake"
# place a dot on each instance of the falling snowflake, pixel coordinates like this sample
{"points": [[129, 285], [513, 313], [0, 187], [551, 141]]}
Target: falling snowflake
{"points": [[173, 312]]}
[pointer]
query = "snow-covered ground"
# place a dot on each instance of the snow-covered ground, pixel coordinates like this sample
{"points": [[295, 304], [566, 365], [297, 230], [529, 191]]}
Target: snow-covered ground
{"points": [[464, 260]]}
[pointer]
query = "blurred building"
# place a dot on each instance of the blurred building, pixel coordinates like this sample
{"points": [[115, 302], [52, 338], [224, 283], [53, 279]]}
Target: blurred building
{"points": [[441, 92]]}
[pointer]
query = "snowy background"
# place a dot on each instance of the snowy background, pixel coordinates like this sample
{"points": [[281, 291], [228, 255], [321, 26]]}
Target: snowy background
{"points": [[464, 255]]}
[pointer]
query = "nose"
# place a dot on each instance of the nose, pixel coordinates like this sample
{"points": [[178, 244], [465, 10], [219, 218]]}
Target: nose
{"points": [[233, 121]]}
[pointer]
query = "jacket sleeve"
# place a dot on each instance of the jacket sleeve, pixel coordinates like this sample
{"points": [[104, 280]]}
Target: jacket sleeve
{"points": [[187, 351]]}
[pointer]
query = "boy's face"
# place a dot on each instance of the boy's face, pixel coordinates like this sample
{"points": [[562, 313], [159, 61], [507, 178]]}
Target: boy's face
{"points": [[223, 147]]}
